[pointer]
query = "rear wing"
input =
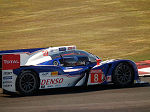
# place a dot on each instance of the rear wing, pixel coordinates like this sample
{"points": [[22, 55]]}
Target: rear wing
{"points": [[20, 51]]}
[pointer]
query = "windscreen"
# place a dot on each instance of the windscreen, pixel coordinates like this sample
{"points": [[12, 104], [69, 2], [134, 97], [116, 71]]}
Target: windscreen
{"points": [[91, 57]]}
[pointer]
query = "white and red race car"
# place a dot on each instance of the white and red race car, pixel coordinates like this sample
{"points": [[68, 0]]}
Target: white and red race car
{"points": [[26, 71]]}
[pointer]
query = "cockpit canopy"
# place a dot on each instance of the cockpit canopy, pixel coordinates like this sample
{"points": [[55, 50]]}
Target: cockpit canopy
{"points": [[74, 58]]}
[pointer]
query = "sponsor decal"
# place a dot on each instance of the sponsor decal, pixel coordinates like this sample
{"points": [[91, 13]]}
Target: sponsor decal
{"points": [[45, 74], [97, 76], [51, 81], [45, 53], [62, 49], [7, 73], [55, 73], [8, 81], [7, 85], [4, 82], [43, 86], [50, 86], [11, 61], [108, 78], [7, 78], [71, 48], [48, 74]]}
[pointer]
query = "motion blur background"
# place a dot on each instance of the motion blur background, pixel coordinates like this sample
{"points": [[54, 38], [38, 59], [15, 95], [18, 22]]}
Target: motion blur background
{"points": [[107, 28]]}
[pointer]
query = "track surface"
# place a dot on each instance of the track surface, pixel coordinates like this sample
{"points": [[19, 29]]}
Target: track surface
{"points": [[94, 98]]}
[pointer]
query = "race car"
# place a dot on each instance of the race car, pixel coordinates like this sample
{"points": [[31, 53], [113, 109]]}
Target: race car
{"points": [[26, 71]]}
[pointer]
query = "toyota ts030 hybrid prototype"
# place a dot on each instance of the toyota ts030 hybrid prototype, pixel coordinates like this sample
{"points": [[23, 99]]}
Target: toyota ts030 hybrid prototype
{"points": [[26, 71]]}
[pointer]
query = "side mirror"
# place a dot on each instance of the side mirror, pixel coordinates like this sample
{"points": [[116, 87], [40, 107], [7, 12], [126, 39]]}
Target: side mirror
{"points": [[98, 61]]}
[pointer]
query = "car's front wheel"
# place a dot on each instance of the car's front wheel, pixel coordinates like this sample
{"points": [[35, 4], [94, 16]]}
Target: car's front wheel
{"points": [[123, 75], [27, 83]]}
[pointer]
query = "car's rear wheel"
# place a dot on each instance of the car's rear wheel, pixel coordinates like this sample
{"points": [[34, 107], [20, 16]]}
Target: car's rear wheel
{"points": [[123, 75], [27, 83]]}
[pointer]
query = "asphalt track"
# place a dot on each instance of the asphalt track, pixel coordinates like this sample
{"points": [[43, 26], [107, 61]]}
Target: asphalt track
{"points": [[91, 99], [97, 98]]}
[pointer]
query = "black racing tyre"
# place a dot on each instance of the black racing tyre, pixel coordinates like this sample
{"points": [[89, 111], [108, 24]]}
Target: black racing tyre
{"points": [[123, 75], [27, 83]]}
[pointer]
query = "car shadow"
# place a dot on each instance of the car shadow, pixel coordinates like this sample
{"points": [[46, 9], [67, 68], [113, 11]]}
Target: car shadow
{"points": [[75, 90]]}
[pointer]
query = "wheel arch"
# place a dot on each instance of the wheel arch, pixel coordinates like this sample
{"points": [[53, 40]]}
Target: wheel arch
{"points": [[132, 67], [126, 62], [113, 65], [31, 70]]}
